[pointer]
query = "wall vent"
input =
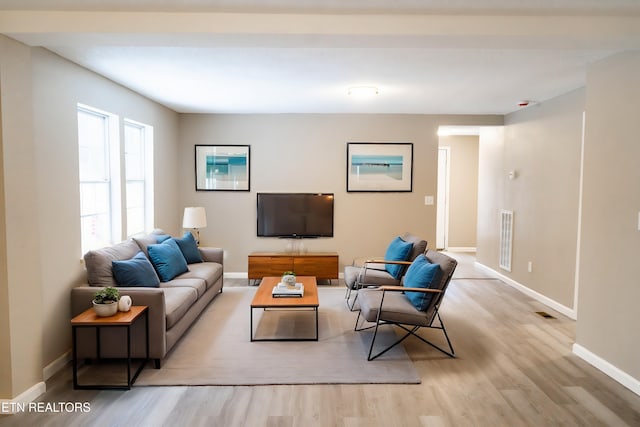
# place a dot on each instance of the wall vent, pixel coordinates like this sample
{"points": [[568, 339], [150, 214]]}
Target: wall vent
{"points": [[506, 239]]}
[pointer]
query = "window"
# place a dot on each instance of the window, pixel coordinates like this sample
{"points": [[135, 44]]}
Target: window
{"points": [[96, 145], [139, 181], [109, 211]]}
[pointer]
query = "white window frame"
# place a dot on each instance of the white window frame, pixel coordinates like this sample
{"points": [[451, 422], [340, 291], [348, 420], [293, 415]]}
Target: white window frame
{"points": [[117, 177], [148, 202], [113, 153]]}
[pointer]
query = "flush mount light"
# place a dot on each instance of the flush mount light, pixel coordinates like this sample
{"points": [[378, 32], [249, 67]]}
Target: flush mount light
{"points": [[363, 91]]}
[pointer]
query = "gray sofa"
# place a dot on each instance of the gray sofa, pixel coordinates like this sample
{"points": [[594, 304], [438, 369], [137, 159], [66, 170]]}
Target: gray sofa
{"points": [[173, 306]]}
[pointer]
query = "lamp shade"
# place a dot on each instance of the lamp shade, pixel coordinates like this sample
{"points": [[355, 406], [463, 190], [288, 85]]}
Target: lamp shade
{"points": [[194, 217]]}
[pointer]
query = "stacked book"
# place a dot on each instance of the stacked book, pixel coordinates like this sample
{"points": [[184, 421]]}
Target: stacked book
{"points": [[286, 290]]}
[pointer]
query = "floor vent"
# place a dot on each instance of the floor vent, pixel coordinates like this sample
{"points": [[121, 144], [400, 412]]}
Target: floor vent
{"points": [[544, 314], [506, 239]]}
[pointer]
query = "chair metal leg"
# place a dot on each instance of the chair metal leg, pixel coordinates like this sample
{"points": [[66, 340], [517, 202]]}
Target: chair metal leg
{"points": [[413, 331]]}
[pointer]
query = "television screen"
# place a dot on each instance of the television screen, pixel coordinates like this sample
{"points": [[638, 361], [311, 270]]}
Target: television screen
{"points": [[295, 215]]}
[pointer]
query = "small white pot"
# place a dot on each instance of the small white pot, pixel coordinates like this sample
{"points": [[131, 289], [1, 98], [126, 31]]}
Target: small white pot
{"points": [[125, 303], [105, 310]]}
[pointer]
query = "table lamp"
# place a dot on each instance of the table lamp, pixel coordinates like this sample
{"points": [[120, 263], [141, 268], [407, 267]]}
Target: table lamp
{"points": [[194, 218]]}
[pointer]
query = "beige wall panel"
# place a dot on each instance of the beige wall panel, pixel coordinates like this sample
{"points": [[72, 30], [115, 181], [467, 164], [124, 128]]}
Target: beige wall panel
{"points": [[307, 153], [542, 144], [24, 302], [610, 240], [463, 190]]}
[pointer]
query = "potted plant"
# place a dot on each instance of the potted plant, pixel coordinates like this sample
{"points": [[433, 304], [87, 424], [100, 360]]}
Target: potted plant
{"points": [[289, 278], [105, 302]]}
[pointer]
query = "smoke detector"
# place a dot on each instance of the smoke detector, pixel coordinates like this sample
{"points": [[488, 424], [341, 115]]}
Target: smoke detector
{"points": [[525, 103]]}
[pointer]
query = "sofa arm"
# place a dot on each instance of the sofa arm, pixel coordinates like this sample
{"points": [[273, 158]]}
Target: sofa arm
{"points": [[153, 298], [212, 254]]}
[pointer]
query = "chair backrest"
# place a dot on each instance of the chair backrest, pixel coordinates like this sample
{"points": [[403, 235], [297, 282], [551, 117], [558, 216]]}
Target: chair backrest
{"points": [[447, 267], [419, 245]]}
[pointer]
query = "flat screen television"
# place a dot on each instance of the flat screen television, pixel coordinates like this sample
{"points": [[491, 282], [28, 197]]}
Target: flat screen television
{"points": [[295, 215]]}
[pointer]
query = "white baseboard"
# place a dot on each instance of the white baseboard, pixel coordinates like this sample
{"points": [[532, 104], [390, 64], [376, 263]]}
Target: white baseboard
{"points": [[461, 249], [52, 368], [617, 374], [12, 406], [569, 312]]}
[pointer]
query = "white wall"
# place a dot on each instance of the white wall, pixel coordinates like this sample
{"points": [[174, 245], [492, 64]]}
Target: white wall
{"points": [[307, 153]]}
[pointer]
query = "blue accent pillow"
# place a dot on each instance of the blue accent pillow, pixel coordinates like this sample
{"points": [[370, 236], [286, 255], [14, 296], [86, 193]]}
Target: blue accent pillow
{"points": [[168, 260], [421, 274], [162, 237], [189, 248], [136, 271], [398, 250]]}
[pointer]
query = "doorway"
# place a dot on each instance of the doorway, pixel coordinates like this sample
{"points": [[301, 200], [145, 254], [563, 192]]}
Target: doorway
{"points": [[442, 204], [457, 188]]}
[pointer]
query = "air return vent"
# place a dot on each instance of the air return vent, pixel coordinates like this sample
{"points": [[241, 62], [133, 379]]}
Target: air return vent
{"points": [[544, 314], [506, 239]]}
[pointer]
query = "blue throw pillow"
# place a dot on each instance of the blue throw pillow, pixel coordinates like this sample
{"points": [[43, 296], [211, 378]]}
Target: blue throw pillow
{"points": [[398, 250], [136, 271], [167, 259], [421, 274], [189, 248], [162, 237]]}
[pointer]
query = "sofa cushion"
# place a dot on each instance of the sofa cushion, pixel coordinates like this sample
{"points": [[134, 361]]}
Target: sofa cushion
{"points": [[198, 284], [421, 274], [210, 272], [398, 250], [98, 262], [189, 248], [373, 277], [136, 271], [167, 259], [178, 300], [149, 239], [396, 308]]}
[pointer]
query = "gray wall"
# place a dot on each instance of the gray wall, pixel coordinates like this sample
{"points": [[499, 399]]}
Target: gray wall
{"points": [[307, 153], [40, 91], [542, 144], [610, 241]]}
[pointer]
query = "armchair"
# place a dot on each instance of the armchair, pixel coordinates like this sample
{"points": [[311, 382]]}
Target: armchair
{"points": [[380, 271], [411, 306]]}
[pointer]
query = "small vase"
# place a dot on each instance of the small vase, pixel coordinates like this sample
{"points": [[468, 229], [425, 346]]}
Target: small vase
{"points": [[105, 310]]}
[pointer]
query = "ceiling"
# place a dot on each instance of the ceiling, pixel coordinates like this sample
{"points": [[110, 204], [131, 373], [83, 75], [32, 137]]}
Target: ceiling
{"points": [[301, 56]]}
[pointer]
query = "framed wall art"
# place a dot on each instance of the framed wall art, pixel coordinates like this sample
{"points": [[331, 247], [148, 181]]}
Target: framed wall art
{"points": [[223, 167], [379, 167]]}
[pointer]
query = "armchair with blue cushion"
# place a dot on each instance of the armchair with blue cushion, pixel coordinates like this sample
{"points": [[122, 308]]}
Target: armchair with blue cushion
{"points": [[380, 271], [413, 305]]}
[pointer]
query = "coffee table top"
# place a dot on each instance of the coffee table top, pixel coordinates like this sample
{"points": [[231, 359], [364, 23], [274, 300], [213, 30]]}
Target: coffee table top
{"points": [[263, 298]]}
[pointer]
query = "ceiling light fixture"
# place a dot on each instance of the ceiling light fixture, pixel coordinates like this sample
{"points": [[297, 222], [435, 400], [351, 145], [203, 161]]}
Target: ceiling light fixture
{"points": [[363, 91]]}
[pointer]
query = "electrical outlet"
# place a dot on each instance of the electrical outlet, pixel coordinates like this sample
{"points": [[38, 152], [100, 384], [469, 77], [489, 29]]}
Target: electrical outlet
{"points": [[428, 200]]}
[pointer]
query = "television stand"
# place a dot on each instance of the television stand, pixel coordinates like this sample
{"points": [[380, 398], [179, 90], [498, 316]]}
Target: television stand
{"points": [[322, 265]]}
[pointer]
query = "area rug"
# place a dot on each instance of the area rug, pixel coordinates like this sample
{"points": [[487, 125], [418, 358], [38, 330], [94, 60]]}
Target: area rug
{"points": [[217, 350]]}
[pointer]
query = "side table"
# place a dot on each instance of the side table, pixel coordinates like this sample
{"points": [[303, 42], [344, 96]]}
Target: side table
{"points": [[88, 319]]}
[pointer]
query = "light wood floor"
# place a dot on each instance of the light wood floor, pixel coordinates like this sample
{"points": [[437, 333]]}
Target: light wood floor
{"points": [[514, 368]]}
